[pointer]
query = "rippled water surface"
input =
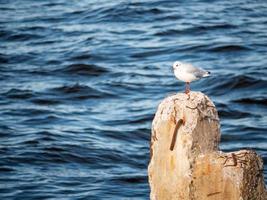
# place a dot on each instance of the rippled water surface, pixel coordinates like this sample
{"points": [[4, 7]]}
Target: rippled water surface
{"points": [[81, 81]]}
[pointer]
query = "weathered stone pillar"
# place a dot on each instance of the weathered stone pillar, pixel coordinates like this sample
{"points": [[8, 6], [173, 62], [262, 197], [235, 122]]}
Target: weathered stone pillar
{"points": [[185, 162]]}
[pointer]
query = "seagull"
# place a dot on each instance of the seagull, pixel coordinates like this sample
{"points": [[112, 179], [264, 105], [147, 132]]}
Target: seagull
{"points": [[187, 73]]}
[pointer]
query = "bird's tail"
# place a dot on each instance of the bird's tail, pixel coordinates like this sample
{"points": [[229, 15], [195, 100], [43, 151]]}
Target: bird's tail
{"points": [[206, 74]]}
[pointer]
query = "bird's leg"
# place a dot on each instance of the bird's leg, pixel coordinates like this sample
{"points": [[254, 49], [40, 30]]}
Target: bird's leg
{"points": [[187, 88]]}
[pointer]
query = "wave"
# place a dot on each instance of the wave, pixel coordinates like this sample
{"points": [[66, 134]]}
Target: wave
{"points": [[27, 112], [5, 33], [130, 179], [193, 30], [229, 48], [45, 101], [3, 59], [82, 57], [84, 69], [78, 91], [43, 120], [234, 114], [23, 37], [169, 32], [76, 88], [131, 120], [244, 81], [122, 12], [19, 94], [4, 169], [47, 136], [260, 101], [230, 82]]}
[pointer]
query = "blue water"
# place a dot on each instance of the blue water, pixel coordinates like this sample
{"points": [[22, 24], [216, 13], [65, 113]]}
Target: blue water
{"points": [[81, 81]]}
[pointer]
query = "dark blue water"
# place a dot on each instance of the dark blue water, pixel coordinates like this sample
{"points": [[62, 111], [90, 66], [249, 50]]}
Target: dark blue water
{"points": [[81, 81]]}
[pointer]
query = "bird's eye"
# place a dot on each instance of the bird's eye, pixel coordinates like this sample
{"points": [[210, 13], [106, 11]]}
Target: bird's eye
{"points": [[177, 65]]}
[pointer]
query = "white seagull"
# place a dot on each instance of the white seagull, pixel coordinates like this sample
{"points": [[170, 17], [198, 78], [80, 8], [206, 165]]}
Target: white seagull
{"points": [[187, 73]]}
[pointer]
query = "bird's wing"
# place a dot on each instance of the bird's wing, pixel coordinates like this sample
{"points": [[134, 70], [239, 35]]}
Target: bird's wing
{"points": [[199, 73]]}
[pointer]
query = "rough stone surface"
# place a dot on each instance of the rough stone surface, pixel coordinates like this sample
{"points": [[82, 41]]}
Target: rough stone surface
{"points": [[218, 175], [185, 161]]}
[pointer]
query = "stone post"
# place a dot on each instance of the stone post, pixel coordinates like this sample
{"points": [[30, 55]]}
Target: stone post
{"points": [[186, 163]]}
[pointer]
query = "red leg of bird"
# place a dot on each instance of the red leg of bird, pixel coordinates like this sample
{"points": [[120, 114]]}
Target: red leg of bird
{"points": [[187, 88]]}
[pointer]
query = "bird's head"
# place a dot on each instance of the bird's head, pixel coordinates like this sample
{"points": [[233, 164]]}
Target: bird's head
{"points": [[176, 64]]}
